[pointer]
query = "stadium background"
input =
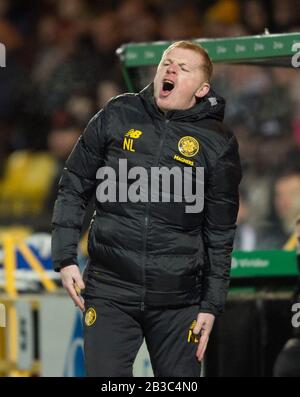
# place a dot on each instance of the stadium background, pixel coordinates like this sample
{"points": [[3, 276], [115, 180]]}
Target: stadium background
{"points": [[61, 67]]}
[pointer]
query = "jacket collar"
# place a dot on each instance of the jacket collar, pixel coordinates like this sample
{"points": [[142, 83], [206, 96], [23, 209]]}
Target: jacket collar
{"points": [[210, 106]]}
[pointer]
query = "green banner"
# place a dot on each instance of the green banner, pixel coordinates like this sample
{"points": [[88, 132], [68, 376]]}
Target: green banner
{"points": [[237, 49], [264, 264]]}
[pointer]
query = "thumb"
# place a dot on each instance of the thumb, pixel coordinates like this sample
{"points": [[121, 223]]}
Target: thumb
{"points": [[79, 281]]}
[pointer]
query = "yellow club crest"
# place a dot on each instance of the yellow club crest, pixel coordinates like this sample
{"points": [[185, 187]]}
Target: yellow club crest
{"points": [[90, 316], [188, 146]]}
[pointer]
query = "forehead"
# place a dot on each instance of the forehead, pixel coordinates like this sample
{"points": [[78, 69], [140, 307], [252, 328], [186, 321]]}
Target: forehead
{"points": [[184, 55]]}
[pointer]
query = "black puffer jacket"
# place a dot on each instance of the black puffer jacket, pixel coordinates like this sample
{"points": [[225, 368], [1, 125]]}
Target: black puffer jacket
{"points": [[153, 253]]}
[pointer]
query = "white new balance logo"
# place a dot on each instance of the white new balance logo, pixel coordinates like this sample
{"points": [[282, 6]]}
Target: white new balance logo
{"points": [[213, 101]]}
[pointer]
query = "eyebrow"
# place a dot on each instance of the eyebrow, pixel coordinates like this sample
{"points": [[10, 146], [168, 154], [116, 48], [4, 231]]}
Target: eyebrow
{"points": [[180, 64]]}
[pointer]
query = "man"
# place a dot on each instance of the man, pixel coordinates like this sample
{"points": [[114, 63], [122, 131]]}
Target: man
{"points": [[154, 268]]}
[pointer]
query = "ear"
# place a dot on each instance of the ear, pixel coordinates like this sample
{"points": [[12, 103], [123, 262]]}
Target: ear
{"points": [[203, 90]]}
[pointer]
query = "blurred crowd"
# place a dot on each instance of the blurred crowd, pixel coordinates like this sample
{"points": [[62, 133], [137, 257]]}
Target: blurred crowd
{"points": [[61, 67]]}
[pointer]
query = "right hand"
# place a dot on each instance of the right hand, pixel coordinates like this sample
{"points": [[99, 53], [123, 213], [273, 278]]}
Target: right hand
{"points": [[73, 283]]}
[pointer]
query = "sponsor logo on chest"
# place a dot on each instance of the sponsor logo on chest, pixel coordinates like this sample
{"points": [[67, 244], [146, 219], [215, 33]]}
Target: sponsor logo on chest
{"points": [[129, 138]]}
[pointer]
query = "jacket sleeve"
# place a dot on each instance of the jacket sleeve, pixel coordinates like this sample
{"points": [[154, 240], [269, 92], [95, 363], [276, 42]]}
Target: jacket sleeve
{"points": [[220, 212], [76, 186]]}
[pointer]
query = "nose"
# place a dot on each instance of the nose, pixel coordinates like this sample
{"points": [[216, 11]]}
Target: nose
{"points": [[172, 68]]}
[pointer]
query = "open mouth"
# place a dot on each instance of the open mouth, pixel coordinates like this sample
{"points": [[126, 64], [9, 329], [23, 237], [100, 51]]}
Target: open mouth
{"points": [[167, 87]]}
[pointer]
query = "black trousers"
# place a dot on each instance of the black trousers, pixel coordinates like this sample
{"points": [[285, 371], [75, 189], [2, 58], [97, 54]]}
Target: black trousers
{"points": [[114, 332]]}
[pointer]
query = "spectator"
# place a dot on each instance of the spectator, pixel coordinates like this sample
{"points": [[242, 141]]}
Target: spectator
{"points": [[246, 236], [286, 208]]}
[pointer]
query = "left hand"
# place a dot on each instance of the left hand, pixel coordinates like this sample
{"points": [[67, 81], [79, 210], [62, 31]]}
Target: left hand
{"points": [[203, 327]]}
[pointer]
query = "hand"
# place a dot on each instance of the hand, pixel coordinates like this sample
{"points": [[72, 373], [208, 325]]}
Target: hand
{"points": [[73, 283], [203, 327]]}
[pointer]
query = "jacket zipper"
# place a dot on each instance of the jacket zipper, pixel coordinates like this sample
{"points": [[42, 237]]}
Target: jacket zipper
{"points": [[146, 219]]}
